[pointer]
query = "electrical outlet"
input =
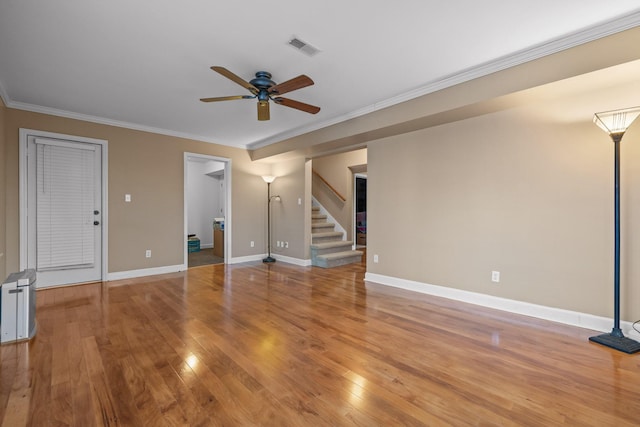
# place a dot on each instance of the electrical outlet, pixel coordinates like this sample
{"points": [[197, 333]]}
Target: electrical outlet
{"points": [[375, 258], [495, 276], [252, 243], [286, 245], [277, 243], [148, 253]]}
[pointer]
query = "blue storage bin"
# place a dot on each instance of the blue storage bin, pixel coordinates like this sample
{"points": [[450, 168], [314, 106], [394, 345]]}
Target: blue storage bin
{"points": [[193, 244]]}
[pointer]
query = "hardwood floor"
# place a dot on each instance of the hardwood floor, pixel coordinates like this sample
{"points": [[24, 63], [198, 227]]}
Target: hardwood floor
{"points": [[280, 345]]}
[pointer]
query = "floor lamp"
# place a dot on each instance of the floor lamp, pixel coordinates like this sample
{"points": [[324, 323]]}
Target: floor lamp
{"points": [[615, 123], [269, 179]]}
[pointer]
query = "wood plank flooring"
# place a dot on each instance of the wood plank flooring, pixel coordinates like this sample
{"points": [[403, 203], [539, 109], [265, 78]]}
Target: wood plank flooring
{"points": [[280, 345]]}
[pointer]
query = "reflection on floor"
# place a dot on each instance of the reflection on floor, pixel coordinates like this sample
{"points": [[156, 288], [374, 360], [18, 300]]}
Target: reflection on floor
{"points": [[204, 257]]}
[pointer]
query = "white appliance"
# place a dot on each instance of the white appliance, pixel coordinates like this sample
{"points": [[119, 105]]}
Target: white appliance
{"points": [[18, 307]]}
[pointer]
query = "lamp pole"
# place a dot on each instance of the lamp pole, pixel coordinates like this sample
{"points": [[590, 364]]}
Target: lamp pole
{"points": [[269, 179], [615, 123], [616, 331]]}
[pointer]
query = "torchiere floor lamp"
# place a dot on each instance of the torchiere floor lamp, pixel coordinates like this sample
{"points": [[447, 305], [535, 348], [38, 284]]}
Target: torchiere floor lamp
{"points": [[269, 179], [615, 123]]}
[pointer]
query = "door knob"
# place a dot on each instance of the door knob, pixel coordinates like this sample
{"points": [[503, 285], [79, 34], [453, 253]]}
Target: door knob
{"points": [[96, 222]]}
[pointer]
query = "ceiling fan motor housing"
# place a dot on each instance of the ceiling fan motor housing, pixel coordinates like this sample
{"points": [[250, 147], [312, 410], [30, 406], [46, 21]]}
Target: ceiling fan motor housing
{"points": [[263, 80]]}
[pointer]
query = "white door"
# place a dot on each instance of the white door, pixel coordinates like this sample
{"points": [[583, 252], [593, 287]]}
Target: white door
{"points": [[64, 210]]}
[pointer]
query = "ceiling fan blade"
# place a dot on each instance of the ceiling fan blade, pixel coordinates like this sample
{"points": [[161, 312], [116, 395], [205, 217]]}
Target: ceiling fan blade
{"points": [[239, 80], [225, 98], [307, 108], [290, 85], [263, 110]]}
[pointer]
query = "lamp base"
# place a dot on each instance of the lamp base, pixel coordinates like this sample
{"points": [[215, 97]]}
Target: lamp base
{"points": [[623, 343], [269, 259]]}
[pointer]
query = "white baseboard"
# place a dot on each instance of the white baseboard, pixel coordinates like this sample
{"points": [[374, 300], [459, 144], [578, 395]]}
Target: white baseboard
{"points": [[294, 261], [250, 258], [131, 274], [281, 258], [574, 318]]}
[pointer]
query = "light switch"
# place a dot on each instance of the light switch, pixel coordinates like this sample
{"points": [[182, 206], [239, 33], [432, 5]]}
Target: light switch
{"points": [[127, 197]]}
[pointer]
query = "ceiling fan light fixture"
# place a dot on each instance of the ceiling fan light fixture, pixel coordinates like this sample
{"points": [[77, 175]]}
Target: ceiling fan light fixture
{"points": [[263, 111]]}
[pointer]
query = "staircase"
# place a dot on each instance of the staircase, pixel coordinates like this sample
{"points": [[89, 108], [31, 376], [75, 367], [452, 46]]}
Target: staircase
{"points": [[327, 247]]}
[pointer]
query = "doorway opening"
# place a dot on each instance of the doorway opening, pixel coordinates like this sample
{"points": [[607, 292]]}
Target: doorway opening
{"points": [[207, 210], [360, 209]]}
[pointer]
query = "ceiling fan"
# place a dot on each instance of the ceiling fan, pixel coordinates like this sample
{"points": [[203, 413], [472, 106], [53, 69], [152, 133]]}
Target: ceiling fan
{"points": [[265, 89]]}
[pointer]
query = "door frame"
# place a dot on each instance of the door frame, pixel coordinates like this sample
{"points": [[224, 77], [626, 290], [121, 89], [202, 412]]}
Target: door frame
{"points": [[103, 144], [227, 203]]}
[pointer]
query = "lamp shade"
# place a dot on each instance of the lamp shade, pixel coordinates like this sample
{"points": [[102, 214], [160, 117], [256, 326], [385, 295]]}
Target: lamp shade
{"points": [[616, 122], [268, 178]]}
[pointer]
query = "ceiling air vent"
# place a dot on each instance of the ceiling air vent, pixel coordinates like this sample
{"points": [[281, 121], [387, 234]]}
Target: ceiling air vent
{"points": [[303, 46]]}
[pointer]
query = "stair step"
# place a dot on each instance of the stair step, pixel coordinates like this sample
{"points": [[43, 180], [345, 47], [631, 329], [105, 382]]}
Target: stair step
{"points": [[330, 247], [321, 226], [336, 259], [328, 236], [327, 247], [318, 217]]}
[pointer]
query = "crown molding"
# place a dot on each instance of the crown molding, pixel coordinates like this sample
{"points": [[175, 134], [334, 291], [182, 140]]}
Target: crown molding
{"points": [[568, 41], [3, 95], [104, 121]]}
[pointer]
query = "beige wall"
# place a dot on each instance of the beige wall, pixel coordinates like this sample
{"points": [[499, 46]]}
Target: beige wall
{"points": [[150, 168], [3, 271], [335, 169], [525, 191], [287, 215]]}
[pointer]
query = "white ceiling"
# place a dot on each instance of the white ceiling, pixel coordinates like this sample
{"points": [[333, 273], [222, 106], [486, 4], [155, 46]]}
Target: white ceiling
{"points": [[144, 64]]}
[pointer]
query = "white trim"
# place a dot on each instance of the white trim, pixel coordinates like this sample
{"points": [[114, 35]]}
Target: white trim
{"points": [[4, 95], [227, 208], [249, 258], [132, 274], [22, 150], [577, 38], [568, 317], [279, 258], [109, 122], [295, 261]]}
